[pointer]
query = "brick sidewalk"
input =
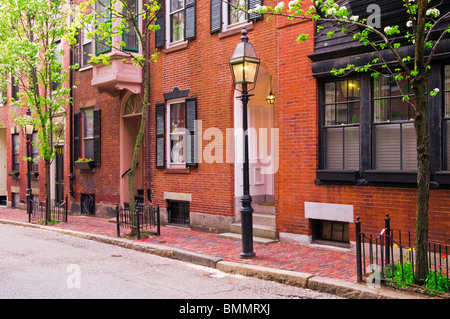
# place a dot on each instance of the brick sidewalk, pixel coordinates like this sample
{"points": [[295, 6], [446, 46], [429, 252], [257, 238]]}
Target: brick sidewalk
{"points": [[317, 261]]}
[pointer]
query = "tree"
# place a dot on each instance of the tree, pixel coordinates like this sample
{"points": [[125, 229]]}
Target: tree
{"points": [[31, 34], [112, 19], [426, 28]]}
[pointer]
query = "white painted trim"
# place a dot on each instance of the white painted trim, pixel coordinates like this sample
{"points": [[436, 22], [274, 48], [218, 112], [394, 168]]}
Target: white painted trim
{"points": [[326, 211]]}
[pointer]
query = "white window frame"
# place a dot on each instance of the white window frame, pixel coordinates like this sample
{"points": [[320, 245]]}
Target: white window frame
{"points": [[169, 42], [225, 18], [170, 163]]}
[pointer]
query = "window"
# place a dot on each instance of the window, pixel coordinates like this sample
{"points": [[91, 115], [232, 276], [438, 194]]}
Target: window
{"points": [[178, 212], [334, 231], [130, 36], [393, 134], [15, 88], [16, 151], [58, 59], [341, 127], [177, 22], [83, 48], [234, 14], [88, 133], [35, 152], [3, 90], [224, 14], [176, 144], [447, 117], [177, 132], [102, 45], [176, 17]]}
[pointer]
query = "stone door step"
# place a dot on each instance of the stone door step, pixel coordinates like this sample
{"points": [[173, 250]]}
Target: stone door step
{"points": [[256, 240]]}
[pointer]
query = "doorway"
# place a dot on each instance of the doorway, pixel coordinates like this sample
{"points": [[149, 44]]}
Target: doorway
{"points": [[3, 172], [59, 176], [130, 124], [262, 141]]}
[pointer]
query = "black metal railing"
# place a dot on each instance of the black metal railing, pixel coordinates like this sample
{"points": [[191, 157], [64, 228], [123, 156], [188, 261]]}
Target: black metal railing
{"points": [[390, 258], [145, 217], [58, 211]]}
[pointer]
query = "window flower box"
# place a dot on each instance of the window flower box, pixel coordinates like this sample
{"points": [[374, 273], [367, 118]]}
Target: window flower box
{"points": [[84, 164]]}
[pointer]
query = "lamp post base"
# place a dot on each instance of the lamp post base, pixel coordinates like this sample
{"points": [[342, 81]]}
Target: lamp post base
{"points": [[247, 227]]}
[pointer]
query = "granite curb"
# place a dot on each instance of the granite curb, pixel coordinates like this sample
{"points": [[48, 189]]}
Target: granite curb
{"points": [[337, 287]]}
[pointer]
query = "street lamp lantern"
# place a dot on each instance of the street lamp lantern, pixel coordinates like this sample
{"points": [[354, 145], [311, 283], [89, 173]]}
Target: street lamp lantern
{"points": [[28, 128], [244, 66], [244, 63]]}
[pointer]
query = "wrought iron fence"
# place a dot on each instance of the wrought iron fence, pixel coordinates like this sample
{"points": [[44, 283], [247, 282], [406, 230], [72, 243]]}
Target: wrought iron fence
{"points": [[390, 258], [147, 218], [58, 211]]}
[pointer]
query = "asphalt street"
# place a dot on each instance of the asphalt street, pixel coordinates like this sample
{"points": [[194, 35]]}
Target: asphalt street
{"points": [[37, 264]]}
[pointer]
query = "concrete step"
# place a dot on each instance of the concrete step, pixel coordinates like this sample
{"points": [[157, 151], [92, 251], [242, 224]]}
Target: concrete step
{"points": [[264, 220], [256, 240], [264, 208], [258, 230]]}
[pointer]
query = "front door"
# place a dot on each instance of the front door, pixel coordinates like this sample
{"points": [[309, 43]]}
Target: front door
{"points": [[3, 190], [59, 177]]}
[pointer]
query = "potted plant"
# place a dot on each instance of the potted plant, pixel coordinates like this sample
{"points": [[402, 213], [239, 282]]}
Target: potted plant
{"points": [[84, 163]]}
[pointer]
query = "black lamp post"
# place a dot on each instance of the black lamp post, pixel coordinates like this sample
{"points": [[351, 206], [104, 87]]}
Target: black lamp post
{"points": [[28, 131], [244, 67]]}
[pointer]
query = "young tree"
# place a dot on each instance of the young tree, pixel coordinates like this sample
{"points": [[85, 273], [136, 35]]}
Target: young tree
{"points": [[427, 27], [112, 19], [31, 34]]}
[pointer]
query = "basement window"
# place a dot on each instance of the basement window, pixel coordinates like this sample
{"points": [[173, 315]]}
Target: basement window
{"points": [[178, 212], [332, 232]]}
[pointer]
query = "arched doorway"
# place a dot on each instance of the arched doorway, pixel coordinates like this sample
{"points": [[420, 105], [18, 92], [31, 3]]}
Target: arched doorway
{"points": [[131, 117]]}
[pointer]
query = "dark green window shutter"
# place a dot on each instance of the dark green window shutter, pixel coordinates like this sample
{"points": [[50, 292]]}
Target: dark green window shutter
{"points": [[251, 5], [76, 136], [191, 138], [216, 16], [97, 138], [189, 20], [160, 35], [160, 140]]}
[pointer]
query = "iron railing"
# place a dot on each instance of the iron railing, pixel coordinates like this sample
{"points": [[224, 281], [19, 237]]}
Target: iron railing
{"points": [[58, 211], [390, 258], [147, 218]]}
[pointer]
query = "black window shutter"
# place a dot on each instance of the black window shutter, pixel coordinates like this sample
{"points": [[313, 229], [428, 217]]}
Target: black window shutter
{"points": [[97, 138], [76, 136], [251, 5], [160, 35], [189, 20], [191, 138], [160, 141], [216, 16]]}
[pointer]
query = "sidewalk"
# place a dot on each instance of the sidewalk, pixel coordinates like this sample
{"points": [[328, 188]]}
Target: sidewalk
{"points": [[331, 266]]}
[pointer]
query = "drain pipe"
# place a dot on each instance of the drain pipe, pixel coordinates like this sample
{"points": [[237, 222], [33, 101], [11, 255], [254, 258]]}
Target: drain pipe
{"points": [[71, 177]]}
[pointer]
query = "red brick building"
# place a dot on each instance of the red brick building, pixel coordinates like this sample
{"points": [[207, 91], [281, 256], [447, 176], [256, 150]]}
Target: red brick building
{"points": [[324, 153]]}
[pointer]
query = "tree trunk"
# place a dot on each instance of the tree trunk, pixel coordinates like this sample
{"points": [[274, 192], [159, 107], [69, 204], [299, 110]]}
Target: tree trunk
{"points": [[47, 192], [419, 85]]}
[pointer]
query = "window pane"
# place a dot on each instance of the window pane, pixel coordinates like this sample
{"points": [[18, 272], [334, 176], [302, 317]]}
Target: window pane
{"points": [[341, 91], [330, 92], [447, 77], [447, 104], [330, 115], [381, 110], [89, 123], [176, 5], [353, 112], [381, 87], [237, 15], [351, 145], [334, 148], [387, 146], [341, 114], [448, 144], [89, 148], [399, 109], [177, 23], [409, 149], [353, 90]]}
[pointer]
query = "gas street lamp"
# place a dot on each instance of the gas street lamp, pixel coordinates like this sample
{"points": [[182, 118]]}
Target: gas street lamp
{"points": [[244, 66], [28, 131]]}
